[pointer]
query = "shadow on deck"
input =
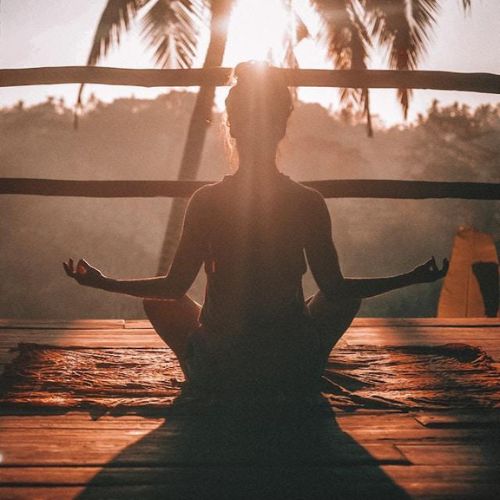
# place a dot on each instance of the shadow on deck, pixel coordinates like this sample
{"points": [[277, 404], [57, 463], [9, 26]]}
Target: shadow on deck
{"points": [[293, 453]]}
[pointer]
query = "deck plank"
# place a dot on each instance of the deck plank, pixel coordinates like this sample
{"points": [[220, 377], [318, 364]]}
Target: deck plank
{"points": [[369, 454], [419, 481], [267, 484], [56, 429], [463, 419], [82, 338], [175, 446], [85, 324], [487, 453], [430, 322]]}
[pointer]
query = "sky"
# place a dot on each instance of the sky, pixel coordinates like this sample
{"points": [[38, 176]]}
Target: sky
{"points": [[59, 33]]}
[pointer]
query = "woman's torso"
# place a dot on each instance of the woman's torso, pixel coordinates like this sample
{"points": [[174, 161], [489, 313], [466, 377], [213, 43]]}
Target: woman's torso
{"points": [[254, 254]]}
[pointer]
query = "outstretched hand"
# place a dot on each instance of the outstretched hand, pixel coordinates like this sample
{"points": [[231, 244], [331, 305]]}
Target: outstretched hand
{"points": [[84, 273], [429, 271]]}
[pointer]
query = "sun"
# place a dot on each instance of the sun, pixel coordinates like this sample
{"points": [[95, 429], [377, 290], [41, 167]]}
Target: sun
{"points": [[257, 31]]}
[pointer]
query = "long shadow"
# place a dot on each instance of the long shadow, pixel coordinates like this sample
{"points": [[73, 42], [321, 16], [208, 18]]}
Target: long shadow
{"points": [[258, 453]]}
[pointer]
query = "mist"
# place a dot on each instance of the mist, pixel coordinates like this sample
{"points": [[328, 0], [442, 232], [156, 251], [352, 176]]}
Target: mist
{"points": [[143, 139]]}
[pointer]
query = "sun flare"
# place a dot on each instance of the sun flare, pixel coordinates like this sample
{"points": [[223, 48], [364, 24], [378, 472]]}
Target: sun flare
{"points": [[257, 31]]}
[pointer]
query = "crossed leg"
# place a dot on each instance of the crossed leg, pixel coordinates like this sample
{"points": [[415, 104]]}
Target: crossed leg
{"points": [[332, 319], [173, 321]]}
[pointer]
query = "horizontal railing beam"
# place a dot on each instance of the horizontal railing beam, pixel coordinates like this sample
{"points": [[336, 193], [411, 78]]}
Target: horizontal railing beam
{"points": [[352, 188], [437, 80]]}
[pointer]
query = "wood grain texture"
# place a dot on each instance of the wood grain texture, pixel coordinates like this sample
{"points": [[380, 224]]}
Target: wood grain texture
{"points": [[345, 188], [366, 454], [418, 79], [85, 324]]}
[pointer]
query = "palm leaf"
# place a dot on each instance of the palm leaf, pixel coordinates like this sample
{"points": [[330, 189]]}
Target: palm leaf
{"points": [[466, 4], [171, 28], [404, 27], [296, 32], [115, 19], [347, 41]]}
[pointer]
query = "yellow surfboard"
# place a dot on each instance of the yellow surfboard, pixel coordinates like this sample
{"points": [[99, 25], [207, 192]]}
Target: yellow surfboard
{"points": [[470, 288]]}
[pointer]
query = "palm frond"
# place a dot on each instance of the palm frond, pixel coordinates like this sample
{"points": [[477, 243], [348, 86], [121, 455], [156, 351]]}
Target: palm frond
{"points": [[300, 28], [404, 27], [296, 31], [466, 4], [289, 58], [343, 39], [171, 28], [347, 41], [115, 19]]}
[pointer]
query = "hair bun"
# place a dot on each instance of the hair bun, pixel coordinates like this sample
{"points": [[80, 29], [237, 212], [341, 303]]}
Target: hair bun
{"points": [[261, 92], [251, 71]]}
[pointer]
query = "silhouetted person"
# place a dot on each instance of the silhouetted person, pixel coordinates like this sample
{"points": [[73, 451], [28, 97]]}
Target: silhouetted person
{"points": [[253, 231]]}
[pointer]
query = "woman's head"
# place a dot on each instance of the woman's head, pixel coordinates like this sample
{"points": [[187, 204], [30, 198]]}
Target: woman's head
{"points": [[259, 105]]}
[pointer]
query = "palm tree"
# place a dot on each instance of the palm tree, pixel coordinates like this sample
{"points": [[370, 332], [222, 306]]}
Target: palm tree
{"points": [[172, 29], [349, 28], [198, 125]]}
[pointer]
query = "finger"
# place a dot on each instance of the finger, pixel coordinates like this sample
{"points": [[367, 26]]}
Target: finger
{"points": [[66, 269], [427, 264], [433, 264], [81, 268], [70, 262]]}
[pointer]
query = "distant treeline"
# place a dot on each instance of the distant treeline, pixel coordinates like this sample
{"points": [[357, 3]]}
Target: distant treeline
{"points": [[143, 139]]}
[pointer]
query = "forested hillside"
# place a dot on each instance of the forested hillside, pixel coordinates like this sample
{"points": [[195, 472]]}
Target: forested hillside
{"points": [[143, 139]]}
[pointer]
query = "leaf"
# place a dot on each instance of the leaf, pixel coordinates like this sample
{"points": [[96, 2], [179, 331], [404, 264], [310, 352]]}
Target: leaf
{"points": [[404, 27], [171, 28], [301, 30], [347, 40], [466, 4], [115, 18]]}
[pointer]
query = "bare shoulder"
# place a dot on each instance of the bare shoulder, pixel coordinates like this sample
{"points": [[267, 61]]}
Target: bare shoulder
{"points": [[309, 197], [203, 196]]}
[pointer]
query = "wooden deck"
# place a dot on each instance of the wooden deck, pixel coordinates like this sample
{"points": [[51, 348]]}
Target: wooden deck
{"points": [[365, 454]]}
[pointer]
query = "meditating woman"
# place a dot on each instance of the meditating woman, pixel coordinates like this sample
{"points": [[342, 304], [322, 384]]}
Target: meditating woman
{"points": [[253, 231]]}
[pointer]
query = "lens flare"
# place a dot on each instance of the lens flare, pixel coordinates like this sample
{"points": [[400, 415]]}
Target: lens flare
{"points": [[257, 31]]}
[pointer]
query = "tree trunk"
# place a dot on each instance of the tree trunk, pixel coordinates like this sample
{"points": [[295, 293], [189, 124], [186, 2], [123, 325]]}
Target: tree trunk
{"points": [[200, 121]]}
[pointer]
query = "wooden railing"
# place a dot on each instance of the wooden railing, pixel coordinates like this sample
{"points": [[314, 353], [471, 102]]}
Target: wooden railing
{"points": [[351, 188], [437, 80]]}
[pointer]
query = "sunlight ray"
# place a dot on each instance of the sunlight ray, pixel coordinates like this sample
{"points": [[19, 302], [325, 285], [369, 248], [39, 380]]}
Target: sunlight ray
{"points": [[256, 31]]}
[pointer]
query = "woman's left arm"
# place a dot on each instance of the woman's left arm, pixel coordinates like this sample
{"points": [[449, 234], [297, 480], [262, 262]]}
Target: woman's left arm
{"points": [[370, 287], [185, 266]]}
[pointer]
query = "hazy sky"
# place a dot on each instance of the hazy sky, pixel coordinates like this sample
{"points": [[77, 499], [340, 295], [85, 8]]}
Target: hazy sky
{"points": [[57, 33]]}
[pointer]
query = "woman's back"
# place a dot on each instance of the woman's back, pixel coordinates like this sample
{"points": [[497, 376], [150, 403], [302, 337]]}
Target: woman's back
{"points": [[255, 239]]}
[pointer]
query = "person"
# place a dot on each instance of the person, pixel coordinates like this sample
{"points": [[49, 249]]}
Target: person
{"points": [[253, 231]]}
